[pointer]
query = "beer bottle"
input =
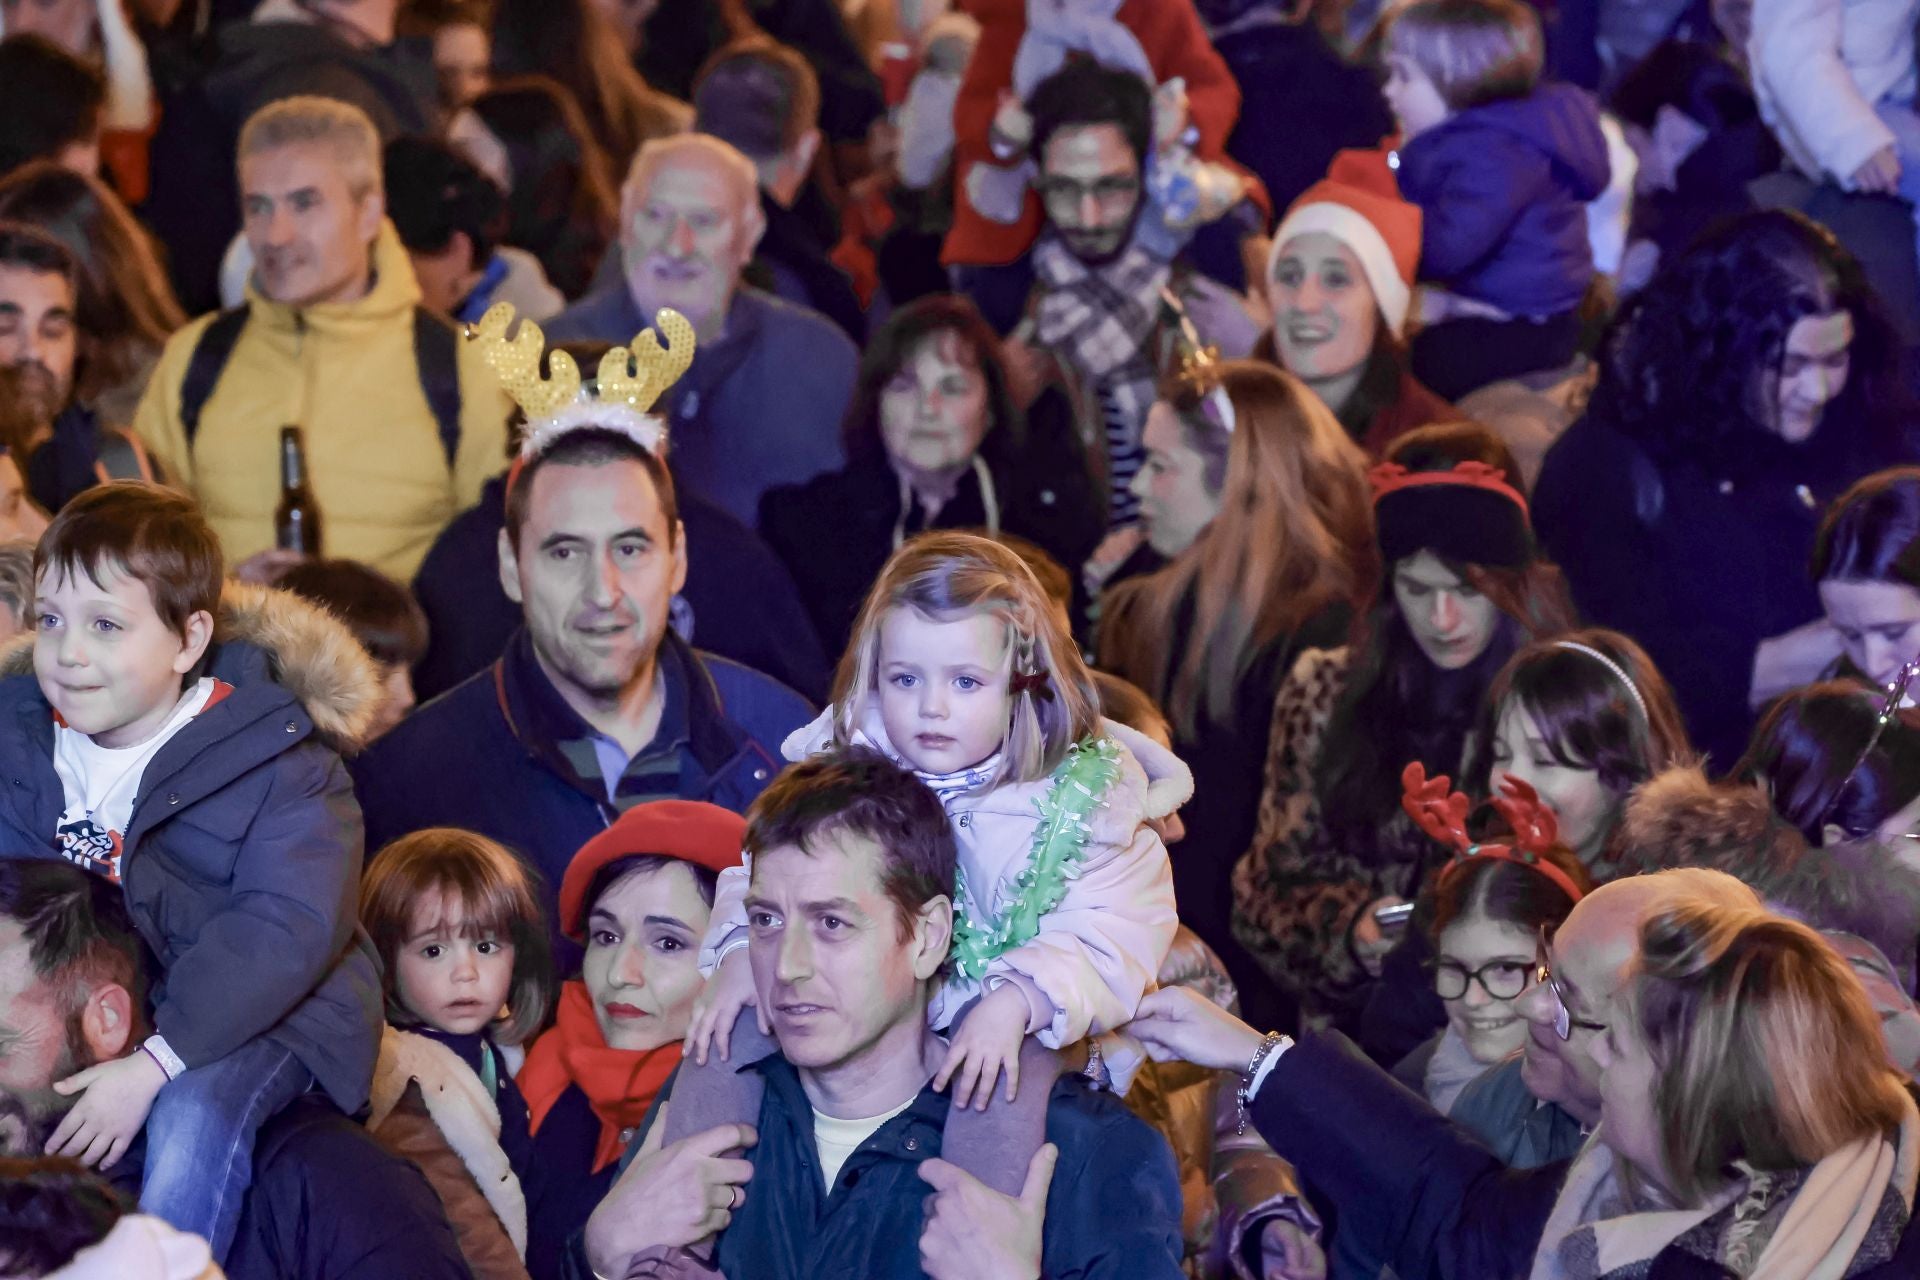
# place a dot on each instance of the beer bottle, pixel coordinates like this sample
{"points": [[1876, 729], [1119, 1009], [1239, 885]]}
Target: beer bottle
{"points": [[296, 524]]}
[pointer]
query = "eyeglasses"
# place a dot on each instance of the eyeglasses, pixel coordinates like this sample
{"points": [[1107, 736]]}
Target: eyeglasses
{"points": [[1563, 1020], [1500, 979], [1108, 193], [1896, 695]]}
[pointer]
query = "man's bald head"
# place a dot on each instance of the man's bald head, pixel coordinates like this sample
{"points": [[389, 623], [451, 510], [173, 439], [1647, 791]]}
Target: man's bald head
{"points": [[690, 220], [1592, 956]]}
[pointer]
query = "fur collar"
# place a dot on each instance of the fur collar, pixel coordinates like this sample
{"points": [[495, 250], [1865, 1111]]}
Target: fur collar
{"points": [[309, 652], [460, 1108], [1679, 818]]}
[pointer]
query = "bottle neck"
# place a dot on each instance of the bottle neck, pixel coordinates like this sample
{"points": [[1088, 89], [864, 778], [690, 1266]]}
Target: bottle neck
{"points": [[293, 462]]}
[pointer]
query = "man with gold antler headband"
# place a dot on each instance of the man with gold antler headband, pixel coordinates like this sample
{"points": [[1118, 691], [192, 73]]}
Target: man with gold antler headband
{"points": [[597, 705], [762, 403]]}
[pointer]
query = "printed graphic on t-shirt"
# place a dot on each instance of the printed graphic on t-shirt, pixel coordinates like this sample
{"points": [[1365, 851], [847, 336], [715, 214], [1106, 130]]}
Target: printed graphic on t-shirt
{"points": [[91, 847]]}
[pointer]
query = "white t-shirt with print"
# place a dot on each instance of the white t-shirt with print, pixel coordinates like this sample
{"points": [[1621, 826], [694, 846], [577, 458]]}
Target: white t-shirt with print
{"points": [[101, 783]]}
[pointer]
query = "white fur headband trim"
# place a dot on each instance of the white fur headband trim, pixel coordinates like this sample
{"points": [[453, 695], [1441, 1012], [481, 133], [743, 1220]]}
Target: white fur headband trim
{"points": [[1356, 231], [647, 430]]}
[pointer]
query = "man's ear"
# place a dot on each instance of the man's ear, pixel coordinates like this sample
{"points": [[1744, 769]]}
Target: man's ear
{"points": [[106, 1022], [679, 556], [753, 225], [460, 245], [373, 207], [509, 567], [199, 634], [932, 936], [802, 154]]}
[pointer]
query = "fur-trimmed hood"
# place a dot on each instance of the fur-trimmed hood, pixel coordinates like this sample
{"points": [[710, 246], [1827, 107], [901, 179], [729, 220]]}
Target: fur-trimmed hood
{"points": [[1680, 819], [308, 651]]}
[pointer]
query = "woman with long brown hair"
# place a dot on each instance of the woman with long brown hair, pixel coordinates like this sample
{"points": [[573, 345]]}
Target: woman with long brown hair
{"points": [[1465, 589], [1261, 500], [127, 309]]}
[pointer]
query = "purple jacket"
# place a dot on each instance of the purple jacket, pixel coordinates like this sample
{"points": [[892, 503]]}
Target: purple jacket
{"points": [[1502, 191]]}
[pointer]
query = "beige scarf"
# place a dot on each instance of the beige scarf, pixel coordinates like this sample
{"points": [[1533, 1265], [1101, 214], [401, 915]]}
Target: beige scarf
{"points": [[1824, 1223]]}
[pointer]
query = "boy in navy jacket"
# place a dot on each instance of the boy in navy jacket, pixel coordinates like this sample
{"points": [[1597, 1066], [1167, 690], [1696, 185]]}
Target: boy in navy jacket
{"points": [[182, 758]]}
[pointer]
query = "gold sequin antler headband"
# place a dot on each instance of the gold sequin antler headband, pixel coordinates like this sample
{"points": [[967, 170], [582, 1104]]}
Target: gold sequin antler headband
{"points": [[628, 383]]}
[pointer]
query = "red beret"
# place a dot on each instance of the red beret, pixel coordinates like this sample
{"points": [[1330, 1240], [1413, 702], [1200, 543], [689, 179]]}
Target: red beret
{"points": [[691, 830]]}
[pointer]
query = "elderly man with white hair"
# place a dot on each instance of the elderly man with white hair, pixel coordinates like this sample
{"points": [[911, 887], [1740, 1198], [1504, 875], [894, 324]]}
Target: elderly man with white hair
{"points": [[770, 381]]}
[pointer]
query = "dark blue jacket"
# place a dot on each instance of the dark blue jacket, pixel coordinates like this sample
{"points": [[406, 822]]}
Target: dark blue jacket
{"points": [[1437, 1204], [1113, 1212], [761, 405], [1502, 191], [483, 757], [242, 858], [741, 604], [327, 1202]]}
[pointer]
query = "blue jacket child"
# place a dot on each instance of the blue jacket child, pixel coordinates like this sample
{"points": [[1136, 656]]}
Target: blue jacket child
{"points": [[1503, 189], [237, 842]]}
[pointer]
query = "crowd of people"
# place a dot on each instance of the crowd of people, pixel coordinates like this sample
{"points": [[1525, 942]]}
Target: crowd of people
{"points": [[1124, 639]]}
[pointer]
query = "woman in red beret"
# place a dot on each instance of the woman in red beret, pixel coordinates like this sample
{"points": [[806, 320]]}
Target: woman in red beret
{"points": [[638, 896]]}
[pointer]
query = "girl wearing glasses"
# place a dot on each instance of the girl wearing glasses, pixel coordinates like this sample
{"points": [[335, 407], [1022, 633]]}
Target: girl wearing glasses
{"points": [[1488, 914]]}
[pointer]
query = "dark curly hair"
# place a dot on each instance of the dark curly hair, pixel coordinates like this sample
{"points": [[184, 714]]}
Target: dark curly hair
{"points": [[1684, 365]]}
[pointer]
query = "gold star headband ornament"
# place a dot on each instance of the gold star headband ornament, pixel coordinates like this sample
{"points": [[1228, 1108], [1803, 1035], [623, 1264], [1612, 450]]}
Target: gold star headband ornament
{"points": [[629, 381]]}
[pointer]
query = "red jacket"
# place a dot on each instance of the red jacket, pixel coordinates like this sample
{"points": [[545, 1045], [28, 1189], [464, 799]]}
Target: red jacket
{"points": [[1176, 45]]}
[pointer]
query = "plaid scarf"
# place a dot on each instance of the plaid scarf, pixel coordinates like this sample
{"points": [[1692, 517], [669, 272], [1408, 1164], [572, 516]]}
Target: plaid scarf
{"points": [[1102, 321]]}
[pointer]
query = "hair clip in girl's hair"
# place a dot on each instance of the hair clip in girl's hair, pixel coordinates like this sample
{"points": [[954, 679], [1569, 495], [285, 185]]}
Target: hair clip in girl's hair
{"points": [[1440, 811], [1038, 682]]}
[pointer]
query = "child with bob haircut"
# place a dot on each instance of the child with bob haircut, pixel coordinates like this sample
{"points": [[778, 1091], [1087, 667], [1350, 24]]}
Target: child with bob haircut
{"points": [[1502, 168], [183, 743], [462, 936], [962, 669]]}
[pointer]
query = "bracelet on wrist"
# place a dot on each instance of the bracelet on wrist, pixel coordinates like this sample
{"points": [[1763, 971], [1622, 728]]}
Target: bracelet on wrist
{"points": [[1244, 1093]]}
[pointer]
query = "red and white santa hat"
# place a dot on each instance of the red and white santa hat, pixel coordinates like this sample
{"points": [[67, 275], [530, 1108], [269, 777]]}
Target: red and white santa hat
{"points": [[1359, 204]]}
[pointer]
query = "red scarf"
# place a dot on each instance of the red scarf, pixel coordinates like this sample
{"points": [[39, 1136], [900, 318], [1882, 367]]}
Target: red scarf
{"points": [[620, 1084]]}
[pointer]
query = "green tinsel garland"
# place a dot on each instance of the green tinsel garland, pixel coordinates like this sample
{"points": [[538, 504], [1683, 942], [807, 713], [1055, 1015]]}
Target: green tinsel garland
{"points": [[1059, 842]]}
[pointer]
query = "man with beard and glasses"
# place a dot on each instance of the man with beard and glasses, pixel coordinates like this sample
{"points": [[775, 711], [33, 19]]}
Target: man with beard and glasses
{"points": [[770, 381], [1108, 306], [60, 444], [403, 423], [596, 705], [326, 1199]]}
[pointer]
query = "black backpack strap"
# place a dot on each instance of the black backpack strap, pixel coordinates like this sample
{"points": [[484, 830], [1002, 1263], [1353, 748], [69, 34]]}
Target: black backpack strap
{"points": [[436, 350], [204, 367]]}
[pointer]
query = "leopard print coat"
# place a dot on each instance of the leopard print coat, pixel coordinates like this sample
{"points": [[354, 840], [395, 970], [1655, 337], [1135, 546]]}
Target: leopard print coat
{"points": [[1296, 894]]}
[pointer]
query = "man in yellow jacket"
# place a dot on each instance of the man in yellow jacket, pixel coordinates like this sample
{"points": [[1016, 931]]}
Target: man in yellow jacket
{"points": [[403, 423]]}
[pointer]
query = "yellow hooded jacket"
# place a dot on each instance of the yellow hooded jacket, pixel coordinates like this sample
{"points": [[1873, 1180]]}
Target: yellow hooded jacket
{"points": [[346, 373]]}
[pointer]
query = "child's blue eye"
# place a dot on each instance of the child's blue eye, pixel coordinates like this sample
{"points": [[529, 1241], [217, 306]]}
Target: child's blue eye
{"points": [[903, 680], [101, 624], [966, 682]]}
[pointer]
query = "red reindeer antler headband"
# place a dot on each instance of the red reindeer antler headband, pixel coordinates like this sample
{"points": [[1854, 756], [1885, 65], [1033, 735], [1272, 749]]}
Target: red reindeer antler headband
{"points": [[1441, 812]]}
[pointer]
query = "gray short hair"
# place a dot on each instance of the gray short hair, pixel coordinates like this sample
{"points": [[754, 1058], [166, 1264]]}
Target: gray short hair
{"points": [[307, 118], [16, 578]]}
